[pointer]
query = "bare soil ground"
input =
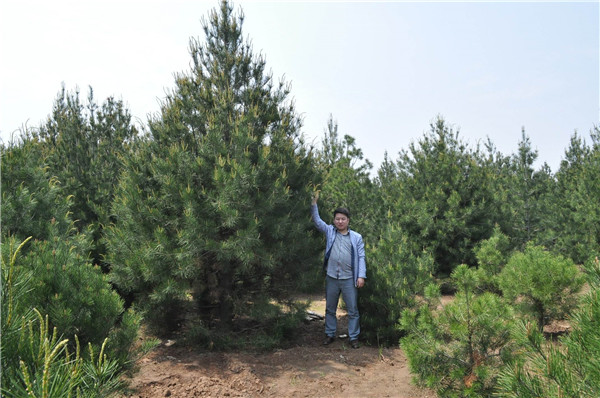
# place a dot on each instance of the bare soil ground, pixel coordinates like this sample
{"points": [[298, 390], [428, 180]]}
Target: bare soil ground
{"points": [[307, 369]]}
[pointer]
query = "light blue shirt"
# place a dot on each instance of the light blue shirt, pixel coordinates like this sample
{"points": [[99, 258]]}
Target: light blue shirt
{"points": [[339, 265]]}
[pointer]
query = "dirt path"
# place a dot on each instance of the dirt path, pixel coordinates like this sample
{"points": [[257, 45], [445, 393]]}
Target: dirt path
{"points": [[308, 369]]}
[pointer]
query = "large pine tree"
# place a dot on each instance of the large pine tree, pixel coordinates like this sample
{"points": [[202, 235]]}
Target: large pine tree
{"points": [[214, 207], [577, 200], [525, 198], [445, 200], [84, 147]]}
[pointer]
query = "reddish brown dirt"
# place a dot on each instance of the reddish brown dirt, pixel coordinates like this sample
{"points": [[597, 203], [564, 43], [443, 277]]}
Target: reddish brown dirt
{"points": [[308, 369]]}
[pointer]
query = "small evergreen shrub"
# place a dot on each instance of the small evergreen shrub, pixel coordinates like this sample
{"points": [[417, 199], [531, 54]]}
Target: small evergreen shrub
{"points": [[569, 368], [458, 349], [47, 369], [541, 284], [74, 294], [36, 362]]}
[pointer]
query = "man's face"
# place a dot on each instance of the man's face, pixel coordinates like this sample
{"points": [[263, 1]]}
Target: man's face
{"points": [[341, 222]]}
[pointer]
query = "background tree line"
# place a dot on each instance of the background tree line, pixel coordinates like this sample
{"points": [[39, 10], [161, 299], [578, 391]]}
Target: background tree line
{"points": [[199, 223]]}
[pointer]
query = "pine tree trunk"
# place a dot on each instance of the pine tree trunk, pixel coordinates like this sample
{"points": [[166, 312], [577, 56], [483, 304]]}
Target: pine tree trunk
{"points": [[225, 297]]}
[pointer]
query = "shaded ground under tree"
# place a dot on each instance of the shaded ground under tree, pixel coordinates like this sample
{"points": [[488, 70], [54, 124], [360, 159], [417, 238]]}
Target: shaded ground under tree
{"points": [[306, 369]]}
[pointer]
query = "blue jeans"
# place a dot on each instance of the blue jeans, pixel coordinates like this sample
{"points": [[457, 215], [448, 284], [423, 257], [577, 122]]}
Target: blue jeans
{"points": [[350, 295]]}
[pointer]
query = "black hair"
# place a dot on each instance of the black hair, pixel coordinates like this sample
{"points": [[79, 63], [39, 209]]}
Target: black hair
{"points": [[342, 210]]}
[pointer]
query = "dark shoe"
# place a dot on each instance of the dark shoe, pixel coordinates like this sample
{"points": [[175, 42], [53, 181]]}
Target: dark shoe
{"points": [[354, 344], [328, 340]]}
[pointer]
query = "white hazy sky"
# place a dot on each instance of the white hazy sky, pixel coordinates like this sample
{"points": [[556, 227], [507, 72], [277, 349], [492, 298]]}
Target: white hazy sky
{"points": [[384, 70]]}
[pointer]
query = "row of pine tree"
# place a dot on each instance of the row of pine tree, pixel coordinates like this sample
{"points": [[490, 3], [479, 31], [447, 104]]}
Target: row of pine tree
{"points": [[198, 224]]}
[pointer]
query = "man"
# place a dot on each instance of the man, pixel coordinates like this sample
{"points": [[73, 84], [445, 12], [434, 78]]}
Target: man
{"points": [[346, 270]]}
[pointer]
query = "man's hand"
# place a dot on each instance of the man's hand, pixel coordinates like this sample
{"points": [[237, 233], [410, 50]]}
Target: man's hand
{"points": [[315, 197], [360, 282]]}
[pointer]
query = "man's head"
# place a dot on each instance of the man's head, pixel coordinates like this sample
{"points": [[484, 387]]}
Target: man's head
{"points": [[341, 218]]}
